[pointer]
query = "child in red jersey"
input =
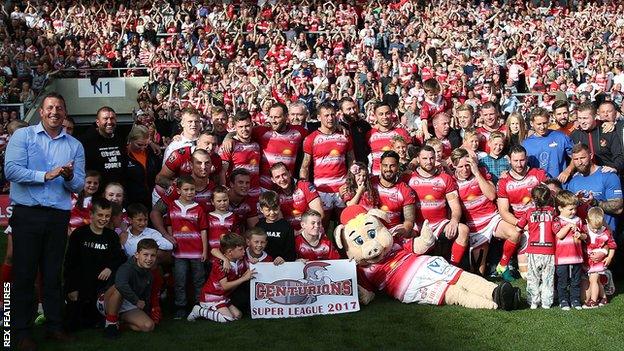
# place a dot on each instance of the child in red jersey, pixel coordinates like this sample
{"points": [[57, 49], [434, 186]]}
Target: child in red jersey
{"points": [[188, 227], [541, 248], [81, 209], [257, 240], [568, 250], [312, 244], [434, 103], [600, 251], [214, 302], [220, 221]]}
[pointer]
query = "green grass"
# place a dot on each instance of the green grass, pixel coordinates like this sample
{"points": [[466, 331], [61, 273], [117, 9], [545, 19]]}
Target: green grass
{"points": [[385, 324]]}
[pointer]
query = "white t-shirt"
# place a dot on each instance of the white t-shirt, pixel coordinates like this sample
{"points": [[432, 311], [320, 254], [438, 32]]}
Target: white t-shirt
{"points": [[130, 246]]}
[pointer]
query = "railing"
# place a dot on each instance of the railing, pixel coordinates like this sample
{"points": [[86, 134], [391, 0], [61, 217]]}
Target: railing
{"points": [[141, 71]]}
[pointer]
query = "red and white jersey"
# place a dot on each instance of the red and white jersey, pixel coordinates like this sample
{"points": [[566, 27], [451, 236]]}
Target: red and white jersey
{"points": [[295, 204], [432, 108], [79, 217], [265, 257], [329, 156], [518, 191], [187, 222], [380, 142], [599, 240], [219, 224], [202, 196], [484, 136], [477, 208], [247, 156], [179, 161], [245, 209], [395, 274], [541, 234], [431, 196], [278, 147], [392, 200], [213, 287], [324, 250], [568, 250]]}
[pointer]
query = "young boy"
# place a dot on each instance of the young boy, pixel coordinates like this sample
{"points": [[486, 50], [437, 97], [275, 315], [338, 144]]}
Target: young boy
{"points": [[93, 256], [281, 236], [220, 221], [540, 248], [440, 161], [214, 300], [137, 231], [128, 298], [312, 244], [434, 103], [568, 250], [256, 239], [496, 162], [188, 227]]}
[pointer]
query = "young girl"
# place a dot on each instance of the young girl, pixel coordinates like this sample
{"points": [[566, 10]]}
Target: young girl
{"points": [[358, 188], [540, 249], [516, 129], [471, 144], [81, 203], [114, 192], [600, 251]]}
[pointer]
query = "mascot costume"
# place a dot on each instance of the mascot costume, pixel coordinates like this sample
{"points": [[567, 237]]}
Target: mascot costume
{"points": [[406, 273]]}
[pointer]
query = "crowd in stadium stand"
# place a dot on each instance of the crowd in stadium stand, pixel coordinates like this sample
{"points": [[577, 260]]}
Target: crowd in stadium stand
{"points": [[475, 115]]}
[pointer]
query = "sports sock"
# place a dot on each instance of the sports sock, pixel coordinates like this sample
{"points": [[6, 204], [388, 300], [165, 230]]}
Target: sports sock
{"points": [[214, 315], [6, 272], [457, 253], [509, 248], [157, 283], [111, 319]]}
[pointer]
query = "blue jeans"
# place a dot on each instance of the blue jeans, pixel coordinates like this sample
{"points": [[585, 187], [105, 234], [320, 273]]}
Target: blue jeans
{"points": [[198, 276], [569, 274]]}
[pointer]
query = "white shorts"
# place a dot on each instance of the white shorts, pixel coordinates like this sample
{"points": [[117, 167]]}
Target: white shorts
{"points": [[436, 228], [126, 306], [214, 302], [430, 282], [485, 235], [331, 201]]}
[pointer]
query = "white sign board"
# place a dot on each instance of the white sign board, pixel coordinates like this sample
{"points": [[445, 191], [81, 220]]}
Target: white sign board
{"points": [[103, 88], [297, 289]]}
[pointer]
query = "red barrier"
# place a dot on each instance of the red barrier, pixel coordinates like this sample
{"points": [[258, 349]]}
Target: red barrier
{"points": [[5, 210]]}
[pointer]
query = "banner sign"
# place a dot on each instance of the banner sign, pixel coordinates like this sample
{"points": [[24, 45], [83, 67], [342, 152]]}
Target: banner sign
{"points": [[297, 289], [5, 210]]}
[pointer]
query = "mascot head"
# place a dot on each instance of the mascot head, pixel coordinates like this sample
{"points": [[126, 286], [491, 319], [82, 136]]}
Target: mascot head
{"points": [[363, 235]]}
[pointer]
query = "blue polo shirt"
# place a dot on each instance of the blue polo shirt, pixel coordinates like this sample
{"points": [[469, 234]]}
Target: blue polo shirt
{"points": [[604, 186], [549, 152]]}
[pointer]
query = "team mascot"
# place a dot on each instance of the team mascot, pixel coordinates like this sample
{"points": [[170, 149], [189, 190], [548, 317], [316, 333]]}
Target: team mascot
{"points": [[408, 275]]}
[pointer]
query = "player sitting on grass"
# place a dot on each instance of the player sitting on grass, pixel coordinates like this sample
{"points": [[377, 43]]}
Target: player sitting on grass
{"points": [[214, 301], [128, 298]]}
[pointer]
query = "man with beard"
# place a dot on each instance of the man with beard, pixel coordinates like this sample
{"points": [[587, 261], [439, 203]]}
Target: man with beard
{"points": [[105, 151], [514, 194], [357, 127], [561, 112], [327, 152], [200, 172], [605, 148], [477, 194], [295, 196], [395, 196], [244, 153], [595, 187], [380, 138], [244, 206], [437, 193], [191, 128]]}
